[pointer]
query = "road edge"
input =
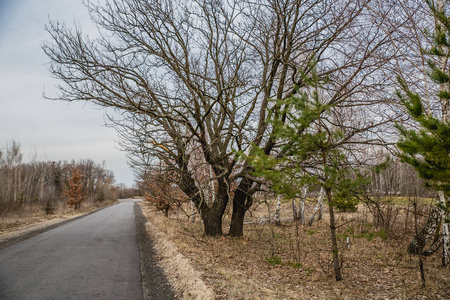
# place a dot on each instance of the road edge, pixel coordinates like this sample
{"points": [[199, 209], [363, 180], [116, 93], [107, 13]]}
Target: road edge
{"points": [[34, 232], [186, 281], [155, 284]]}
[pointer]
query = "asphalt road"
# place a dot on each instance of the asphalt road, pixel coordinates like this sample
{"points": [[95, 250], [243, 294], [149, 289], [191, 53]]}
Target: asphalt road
{"points": [[94, 257]]}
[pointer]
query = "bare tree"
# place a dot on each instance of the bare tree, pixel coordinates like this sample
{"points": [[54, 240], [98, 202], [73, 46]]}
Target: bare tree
{"points": [[30, 186], [194, 78]]}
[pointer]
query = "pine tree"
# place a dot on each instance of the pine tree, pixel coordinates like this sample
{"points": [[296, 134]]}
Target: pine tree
{"points": [[310, 154], [428, 148], [75, 192]]}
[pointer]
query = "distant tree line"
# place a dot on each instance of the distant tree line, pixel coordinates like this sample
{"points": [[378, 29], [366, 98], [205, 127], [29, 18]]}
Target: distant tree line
{"points": [[37, 185]]}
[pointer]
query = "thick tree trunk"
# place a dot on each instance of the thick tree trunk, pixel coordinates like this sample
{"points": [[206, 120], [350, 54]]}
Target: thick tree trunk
{"points": [[420, 240], [242, 201], [211, 215], [237, 218], [212, 223], [334, 245]]}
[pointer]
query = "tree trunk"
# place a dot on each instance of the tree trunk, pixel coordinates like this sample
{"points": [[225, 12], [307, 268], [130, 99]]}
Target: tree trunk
{"points": [[301, 205], [416, 228], [320, 216], [211, 215], [334, 245], [212, 223], [237, 219], [277, 211], [294, 210], [318, 206], [445, 110], [445, 215], [420, 240], [301, 210], [242, 201]]}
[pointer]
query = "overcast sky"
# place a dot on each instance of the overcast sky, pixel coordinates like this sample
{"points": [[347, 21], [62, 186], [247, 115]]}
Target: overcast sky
{"points": [[54, 130]]}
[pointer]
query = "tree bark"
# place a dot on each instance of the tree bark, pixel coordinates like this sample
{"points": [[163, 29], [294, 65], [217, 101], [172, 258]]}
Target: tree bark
{"points": [[420, 240], [212, 224], [445, 215], [445, 109], [294, 210], [242, 201], [318, 206], [421, 269], [237, 218], [277, 211], [334, 245], [301, 206]]}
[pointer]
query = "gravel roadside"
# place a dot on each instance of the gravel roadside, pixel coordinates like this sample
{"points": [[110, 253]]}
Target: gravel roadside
{"points": [[154, 284], [185, 280]]}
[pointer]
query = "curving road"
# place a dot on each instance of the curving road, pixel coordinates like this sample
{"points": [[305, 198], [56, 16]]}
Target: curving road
{"points": [[94, 257]]}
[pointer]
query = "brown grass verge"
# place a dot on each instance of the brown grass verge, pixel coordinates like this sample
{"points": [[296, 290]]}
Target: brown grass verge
{"points": [[293, 261], [15, 225], [185, 280]]}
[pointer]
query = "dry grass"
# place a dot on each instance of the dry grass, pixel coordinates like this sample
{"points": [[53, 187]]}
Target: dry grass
{"points": [[185, 280], [36, 216], [272, 262]]}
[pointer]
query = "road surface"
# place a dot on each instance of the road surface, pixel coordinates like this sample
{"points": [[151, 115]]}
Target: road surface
{"points": [[95, 257]]}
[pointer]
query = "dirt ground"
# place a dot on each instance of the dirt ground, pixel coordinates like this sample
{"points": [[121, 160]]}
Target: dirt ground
{"points": [[293, 261]]}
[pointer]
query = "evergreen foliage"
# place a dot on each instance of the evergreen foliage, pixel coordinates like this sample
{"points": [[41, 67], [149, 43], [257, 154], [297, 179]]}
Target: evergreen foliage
{"points": [[427, 148], [310, 152]]}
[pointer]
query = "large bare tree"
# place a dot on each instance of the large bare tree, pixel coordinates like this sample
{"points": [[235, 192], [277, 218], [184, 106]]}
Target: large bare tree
{"points": [[193, 80]]}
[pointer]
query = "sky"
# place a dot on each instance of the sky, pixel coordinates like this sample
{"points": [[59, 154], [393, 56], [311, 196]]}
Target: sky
{"points": [[49, 129]]}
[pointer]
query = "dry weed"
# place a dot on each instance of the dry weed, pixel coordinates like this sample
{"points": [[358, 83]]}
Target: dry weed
{"points": [[32, 217], [293, 261]]}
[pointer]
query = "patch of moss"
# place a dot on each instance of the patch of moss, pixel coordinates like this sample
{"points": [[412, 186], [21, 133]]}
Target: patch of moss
{"points": [[369, 235], [311, 231], [274, 260]]}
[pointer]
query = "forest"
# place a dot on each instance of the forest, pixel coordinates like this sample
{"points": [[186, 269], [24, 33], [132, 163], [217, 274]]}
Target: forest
{"points": [[280, 110], [36, 187]]}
